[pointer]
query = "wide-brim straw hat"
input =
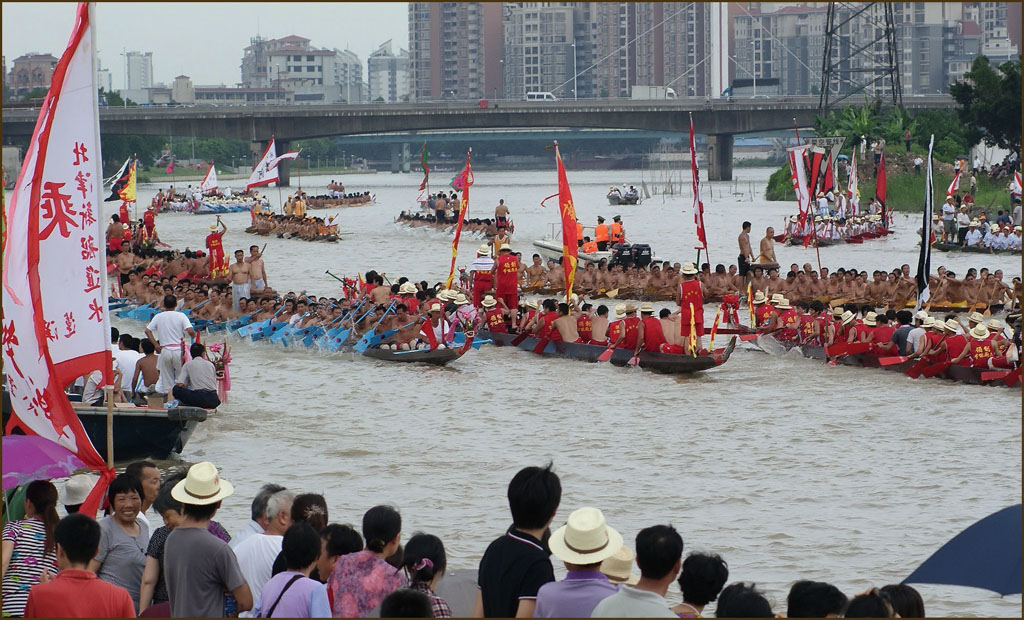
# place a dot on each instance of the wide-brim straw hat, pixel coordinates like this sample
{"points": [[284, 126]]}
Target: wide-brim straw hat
{"points": [[994, 325], [646, 308], [435, 307], [793, 218], [921, 315], [77, 488], [777, 297], [952, 326], [620, 310], [871, 319], [213, 226], [783, 304], [407, 288], [848, 317], [460, 300], [630, 308], [504, 247], [202, 486], [484, 249], [688, 269], [531, 304], [585, 538], [927, 322], [975, 223], [759, 298], [489, 302], [979, 332], [618, 568], [976, 317]]}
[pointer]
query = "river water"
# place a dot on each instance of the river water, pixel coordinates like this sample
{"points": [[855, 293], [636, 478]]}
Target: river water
{"points": [[788, 468]]}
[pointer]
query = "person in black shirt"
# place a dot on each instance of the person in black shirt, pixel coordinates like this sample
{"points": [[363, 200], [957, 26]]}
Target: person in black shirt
{"points": [[516, 565]]}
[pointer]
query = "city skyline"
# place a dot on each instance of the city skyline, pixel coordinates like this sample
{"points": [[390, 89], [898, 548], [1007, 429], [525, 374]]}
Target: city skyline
{"points": [[222, 30]]}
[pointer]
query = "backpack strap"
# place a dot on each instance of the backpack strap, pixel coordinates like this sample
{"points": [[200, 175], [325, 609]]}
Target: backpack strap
{"points": [[270, 612]]}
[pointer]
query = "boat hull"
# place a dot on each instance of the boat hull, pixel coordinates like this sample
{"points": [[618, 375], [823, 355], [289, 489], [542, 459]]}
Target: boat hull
{"points": [[657, 362], [138, 432], [437, 357]]}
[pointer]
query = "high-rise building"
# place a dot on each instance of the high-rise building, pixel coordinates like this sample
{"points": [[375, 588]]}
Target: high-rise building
{"points": [[540, 49], [139, 68], [614, 32], [455, 50], [306, 73], [104, 79], [388, 74]]}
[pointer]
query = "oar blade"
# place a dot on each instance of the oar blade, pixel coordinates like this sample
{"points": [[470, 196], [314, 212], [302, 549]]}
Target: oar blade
{"points": [[607, 355]]}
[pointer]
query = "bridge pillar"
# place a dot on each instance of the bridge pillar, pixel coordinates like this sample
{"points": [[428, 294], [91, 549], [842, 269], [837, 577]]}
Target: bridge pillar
{"points": [[284, 169], [720, 157], [405, 157], [399, 158]]}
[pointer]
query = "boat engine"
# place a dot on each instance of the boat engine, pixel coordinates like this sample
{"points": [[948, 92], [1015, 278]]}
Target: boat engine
{"points": [[621, 255], [642, 254]]}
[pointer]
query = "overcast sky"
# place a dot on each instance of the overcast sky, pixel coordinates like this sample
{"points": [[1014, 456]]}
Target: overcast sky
{"points": [[201, 40]]}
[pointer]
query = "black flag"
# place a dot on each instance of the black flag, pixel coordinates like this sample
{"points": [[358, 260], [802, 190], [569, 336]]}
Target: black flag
{"points": [[120, 180], [924, 263]]}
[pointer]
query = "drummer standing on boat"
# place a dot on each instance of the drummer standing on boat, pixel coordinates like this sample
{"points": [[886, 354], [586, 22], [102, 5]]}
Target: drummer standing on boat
{"points": [[241, 274], [501, 215], [768, 247], [746, 254], [506, 278], [257, 268], [215, 244], [167, 332], [690, 298]]}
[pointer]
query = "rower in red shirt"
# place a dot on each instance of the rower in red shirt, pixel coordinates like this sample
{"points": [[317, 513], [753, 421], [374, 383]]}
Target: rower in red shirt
{"points": [[881, 336], [653, 336], [980, 346], [763, 313], [690, 298], [937, 350], [584, 325], [149, 221], [494, 317], [483, 275], [506, 277], [215, 244], [808, 330], [788, 320], [546, 327], [123, 213], [628, 329]]}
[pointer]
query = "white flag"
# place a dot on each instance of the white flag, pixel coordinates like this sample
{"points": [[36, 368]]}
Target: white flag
{"points": [[55, 324], [264, 173], [209, 183], [851, 185], [289, 155]]}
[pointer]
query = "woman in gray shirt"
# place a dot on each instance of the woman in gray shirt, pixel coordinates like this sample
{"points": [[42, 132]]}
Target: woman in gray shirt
{"points": [[122, 554]]}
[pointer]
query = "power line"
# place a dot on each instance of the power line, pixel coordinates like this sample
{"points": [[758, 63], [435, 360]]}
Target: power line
{"points": [[772, 36]]}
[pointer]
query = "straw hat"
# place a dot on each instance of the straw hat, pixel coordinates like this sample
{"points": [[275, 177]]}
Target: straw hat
{"points": [[213, 226], [435, 307], [921, 315], [202, 486], [994, 325], [975, 223], [837, 311], [529, 304], [871, 319], [777, 298], [759, 298], [407, 288], [585, 538], [927, 322], [783, 304], [618, 568], [630, 308], [460, 300], [938, 324], [505, 248], [483, 250], [688, 269], [848, 317], [77, 488], [646, 308], [979, 332], [976, 317], [952, 326], [620, 310], [489, 301], [793, 219]]}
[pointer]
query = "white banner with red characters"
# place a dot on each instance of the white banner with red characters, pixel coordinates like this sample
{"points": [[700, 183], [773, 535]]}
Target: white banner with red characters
{"points": [[55, 324]]}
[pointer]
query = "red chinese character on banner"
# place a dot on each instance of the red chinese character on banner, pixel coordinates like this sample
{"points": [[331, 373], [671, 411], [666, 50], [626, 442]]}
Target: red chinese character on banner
{"points": [[92, 279], [9, 337], [89, 248], [39, 405], [57, 208], [88, 219], [82, 179], [51, 331], [80, 152], [69, 324], [97, 311]]}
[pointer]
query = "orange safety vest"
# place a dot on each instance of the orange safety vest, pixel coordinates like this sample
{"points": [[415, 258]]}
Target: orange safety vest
{"points": [[590, 247], [601, 233], [579, 230], [617, 236]]}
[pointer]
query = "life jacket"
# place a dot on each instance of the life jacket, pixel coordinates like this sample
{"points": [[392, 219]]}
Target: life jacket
{"points": [[601, 233], [617, 234], [589, 247]]}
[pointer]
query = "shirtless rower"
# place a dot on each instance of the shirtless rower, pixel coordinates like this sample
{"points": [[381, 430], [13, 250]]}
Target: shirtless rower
{"points": [[257, 269], [767, 254], [566, 325], [239, 274], [501, 217], [536, 272], [380, 293], [599, 326], [746, 254]]}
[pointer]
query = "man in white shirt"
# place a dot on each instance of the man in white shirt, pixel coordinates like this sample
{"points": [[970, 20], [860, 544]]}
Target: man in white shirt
{"points": [[917, 342], [963, 222], [822, 204], [167, 332], [974, 235], [256, 554], [93, 392], [258, 514], [977, 164], [949, 219], [659, 554], [1016, 212], [1013, 242], [126, 359]]}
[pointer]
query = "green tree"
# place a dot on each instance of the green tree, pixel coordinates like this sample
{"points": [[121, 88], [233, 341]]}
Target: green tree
{"points": [[35, 93], [852, 123], [114, 100], [990, 103]]}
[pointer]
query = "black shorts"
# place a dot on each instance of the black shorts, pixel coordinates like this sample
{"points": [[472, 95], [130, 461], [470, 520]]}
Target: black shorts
{"points": [[744, 266], [602, 246], [501, 222]]}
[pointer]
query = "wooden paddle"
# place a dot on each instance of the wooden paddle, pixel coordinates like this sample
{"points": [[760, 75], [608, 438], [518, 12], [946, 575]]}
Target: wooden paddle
{"points": [[634, 361], [519, 339], [915, 371], [539, 348], [936, 369], [991, 375], [607, 355], [889, 361]]}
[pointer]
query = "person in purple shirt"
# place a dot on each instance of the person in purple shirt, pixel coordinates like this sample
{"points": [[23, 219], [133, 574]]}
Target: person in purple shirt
{"points": [[292, 594], [582, 544]]}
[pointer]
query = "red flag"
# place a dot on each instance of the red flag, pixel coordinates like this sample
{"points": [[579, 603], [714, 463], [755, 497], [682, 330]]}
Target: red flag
{"points": [[880, 185], [698, 204], [55, 323], [462, 181], [954, 187], [569, 239], [426, 168], [170, 167], [828, 183]]}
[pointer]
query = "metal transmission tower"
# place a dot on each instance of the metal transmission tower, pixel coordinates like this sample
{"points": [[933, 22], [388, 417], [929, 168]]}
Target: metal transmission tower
{"points": [[860, 54]]}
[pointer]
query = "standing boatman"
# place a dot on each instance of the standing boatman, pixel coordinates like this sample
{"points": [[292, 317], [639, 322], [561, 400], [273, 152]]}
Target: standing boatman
{"points": [[601, 235], [690, 298], [618, 232], [215, 245]]}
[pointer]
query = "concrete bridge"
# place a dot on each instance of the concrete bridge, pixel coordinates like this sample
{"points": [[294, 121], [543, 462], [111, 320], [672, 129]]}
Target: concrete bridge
{"points": [[720, 120]]}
